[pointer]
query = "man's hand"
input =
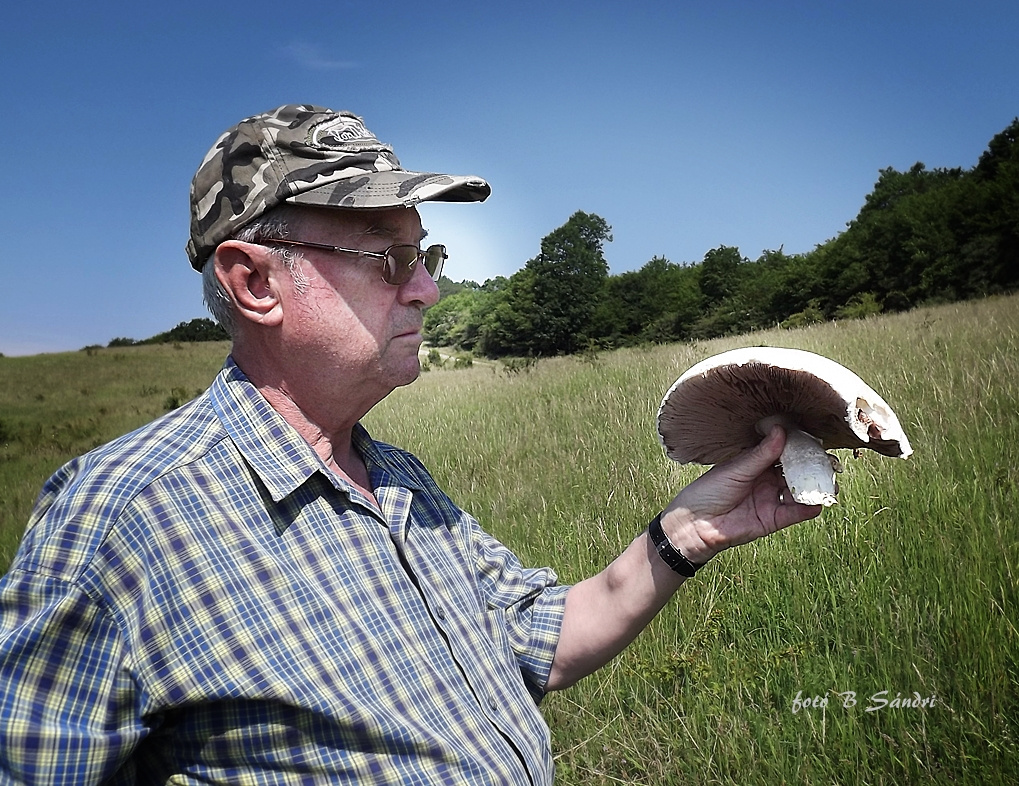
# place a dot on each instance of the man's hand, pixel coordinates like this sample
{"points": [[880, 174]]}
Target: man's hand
{"points": [[735, 502]]}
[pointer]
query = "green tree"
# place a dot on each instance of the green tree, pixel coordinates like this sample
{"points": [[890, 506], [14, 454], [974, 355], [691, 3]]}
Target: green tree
{"points": [[720, 274], [727, 310], [656, 303], [443, 322], [991, 246], [568, 278], [778, 285], [507, 325], [905, 240], [201, 329], [449, 287]]}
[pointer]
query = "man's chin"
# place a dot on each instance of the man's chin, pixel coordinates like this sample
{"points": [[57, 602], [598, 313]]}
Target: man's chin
{"points": [[408, 372]]}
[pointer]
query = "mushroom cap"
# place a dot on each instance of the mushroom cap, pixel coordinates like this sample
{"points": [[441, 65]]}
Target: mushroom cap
{"points": [[711, 412]]}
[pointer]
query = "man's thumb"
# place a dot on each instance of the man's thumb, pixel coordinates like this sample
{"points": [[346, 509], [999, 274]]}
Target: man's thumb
{"points": [[766, 454]]}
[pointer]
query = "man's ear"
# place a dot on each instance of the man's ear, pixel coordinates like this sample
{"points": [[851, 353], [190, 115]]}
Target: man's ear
{"points": [[249, 275]]}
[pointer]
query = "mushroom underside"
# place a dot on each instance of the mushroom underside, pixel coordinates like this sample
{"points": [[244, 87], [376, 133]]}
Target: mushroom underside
{"points": [[711, 416], [699, 424]]}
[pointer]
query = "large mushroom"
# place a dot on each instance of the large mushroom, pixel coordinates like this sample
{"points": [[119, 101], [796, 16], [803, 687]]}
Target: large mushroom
{"points": [[724, 405]]}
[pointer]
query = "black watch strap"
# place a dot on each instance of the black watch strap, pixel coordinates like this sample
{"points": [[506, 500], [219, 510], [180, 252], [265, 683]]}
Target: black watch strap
{"points": [[672, 556]]}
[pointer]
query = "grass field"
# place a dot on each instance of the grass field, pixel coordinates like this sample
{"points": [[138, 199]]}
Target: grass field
{"points": [[907, 588]]}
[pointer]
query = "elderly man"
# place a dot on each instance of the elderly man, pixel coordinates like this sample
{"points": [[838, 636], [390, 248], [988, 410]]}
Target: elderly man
{"points": [[251, 589]]}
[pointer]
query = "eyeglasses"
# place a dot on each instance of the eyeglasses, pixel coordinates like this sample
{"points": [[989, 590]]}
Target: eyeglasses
{"points": [[400, 259]]}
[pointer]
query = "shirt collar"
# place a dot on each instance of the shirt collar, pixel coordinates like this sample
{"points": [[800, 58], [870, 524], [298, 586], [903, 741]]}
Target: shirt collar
{"points": [[281, 457], [387, 466]]}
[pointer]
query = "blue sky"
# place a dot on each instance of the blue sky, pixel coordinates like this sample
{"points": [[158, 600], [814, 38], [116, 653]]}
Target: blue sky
{"points": [[686, 125]]}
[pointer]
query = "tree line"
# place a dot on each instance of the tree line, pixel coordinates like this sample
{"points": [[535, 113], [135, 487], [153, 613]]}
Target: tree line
{"points": [[201, 329], [923, 236]]}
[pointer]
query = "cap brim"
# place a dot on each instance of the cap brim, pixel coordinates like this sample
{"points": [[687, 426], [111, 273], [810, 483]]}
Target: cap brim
{"points": [[394, 189]]}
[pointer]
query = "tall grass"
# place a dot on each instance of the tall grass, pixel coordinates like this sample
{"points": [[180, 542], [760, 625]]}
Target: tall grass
{"points": [[908, 585]]}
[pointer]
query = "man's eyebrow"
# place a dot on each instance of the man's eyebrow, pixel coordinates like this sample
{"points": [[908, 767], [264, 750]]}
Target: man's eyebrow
{"points": [[387, 230], [379, 230]]}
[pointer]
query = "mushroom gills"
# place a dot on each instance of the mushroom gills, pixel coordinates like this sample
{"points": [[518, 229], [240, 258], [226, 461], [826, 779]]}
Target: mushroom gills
{"points": [[809, 471]]}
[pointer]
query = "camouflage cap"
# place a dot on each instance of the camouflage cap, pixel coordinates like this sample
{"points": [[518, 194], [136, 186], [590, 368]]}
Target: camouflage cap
{"points": [[306, 155]]}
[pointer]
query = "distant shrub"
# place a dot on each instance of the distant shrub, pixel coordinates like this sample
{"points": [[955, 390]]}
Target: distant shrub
{"points": [[859, 306], [897, 300], [177, 397], [811, 315], [590, 354], [519, 365], [121, 342]]}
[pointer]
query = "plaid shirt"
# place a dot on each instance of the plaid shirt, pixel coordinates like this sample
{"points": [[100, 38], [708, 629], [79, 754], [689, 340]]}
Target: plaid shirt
{"points": [[203, 601]]}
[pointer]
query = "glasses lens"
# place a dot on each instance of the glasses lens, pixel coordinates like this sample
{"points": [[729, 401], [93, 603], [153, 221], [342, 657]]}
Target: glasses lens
{"points": [[401, 259], [434, 257]]}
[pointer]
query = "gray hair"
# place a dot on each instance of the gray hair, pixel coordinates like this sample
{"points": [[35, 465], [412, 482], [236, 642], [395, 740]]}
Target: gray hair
{"points": [[273, 225]]}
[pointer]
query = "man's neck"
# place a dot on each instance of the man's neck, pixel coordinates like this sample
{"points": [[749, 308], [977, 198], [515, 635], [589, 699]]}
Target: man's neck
{"points": [[332, 441], [334, 446]]}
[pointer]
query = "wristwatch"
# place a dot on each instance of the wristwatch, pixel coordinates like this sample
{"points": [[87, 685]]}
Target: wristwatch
{"points": [[672, 556]]}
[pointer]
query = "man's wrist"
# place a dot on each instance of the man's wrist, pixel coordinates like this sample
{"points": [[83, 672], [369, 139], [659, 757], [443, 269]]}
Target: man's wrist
{"points": [[693, 536], [669, 553]]}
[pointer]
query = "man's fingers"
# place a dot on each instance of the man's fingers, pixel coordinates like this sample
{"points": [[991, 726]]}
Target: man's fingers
{"points": [[787, 515], [766, 454]]}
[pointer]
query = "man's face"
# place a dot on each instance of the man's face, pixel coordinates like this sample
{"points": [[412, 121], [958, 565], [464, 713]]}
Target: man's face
{"points": [[345, 321]]}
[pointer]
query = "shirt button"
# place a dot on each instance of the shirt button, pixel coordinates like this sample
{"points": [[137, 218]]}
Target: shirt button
{"points": [[493, 704], [440, 612]]}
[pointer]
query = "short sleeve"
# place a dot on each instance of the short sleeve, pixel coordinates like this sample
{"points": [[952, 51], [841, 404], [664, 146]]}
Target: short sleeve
{"points": [[68, 709], [531, 602]]}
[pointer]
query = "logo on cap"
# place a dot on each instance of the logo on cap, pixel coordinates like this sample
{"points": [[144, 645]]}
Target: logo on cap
{"points": [[339, 131]]}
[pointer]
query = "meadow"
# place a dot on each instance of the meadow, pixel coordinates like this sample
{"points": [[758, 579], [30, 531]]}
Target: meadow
{"points": [[784, 661]]}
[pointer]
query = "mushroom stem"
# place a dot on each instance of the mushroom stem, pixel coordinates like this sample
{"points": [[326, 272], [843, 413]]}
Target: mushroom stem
{"points": [[809, 471]]}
